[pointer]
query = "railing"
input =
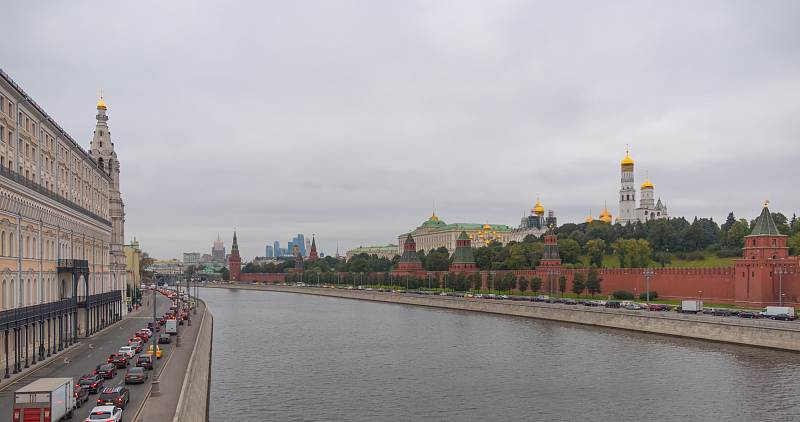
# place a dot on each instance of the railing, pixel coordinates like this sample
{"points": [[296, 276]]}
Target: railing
{"points": [[73, 264], [16, 177], [103, 298], [33, 312]]}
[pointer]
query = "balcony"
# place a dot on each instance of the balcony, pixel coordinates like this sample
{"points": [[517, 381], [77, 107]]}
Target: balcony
{"points": [[16, 177], [73, 265]]}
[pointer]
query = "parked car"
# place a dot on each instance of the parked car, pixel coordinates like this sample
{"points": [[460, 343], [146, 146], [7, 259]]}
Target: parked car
{"points": [[783, 317], [105, 413], [107, 371], [658, 307], [135, 375], [568, 301], [114, 396], [92, 383], [145, 361], [613, 304], [747, 314], [721, 312]]}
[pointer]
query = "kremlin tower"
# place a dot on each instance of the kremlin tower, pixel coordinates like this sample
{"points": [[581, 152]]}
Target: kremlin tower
{"points": [[313, 256], [235, 261], [463, 260], [409, 262]]}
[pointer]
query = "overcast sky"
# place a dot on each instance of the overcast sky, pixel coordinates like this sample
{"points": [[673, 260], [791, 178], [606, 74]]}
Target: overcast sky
{"points": [[349, 119]]}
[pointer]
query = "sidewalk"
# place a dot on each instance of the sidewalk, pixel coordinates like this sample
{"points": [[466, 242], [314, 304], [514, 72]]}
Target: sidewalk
{"points": [[162, 407]]}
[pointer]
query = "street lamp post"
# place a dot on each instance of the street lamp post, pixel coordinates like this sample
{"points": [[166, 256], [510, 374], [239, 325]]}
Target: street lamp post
{"points": [[648, 273], [780, 271], [700, 292]]}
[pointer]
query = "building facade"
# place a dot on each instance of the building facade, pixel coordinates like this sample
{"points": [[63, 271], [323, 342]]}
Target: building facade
{"points": [[535, 224], [269, 252], [218, 251], [166, 268], [435, 233], [388, 251], [133, 262], [191, 258], [61, 231], [648, 209]]}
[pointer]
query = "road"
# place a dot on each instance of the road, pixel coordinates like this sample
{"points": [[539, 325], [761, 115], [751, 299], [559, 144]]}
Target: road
{"points": [[85, 357]]}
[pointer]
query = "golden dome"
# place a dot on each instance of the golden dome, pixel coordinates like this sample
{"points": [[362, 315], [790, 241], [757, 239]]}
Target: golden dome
{"points": [[101, 104], [538, 209], [627, 161], [606, 216], [433, 217], [647, 185], [589, 219], [487, 226]]}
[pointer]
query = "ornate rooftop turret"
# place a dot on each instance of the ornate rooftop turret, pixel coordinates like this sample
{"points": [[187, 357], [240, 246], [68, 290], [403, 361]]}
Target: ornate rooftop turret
{"points": [[409, 261], [463, 259]]}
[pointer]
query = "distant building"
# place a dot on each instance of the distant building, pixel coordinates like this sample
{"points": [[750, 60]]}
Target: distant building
{"points": [[435, 233], [388, 251], [276, 249], [166, 267], [191, 258], [269, 252], [535, 224], [648, 208], [300, 241], [206, 258], [133, 259], [218, 251]]}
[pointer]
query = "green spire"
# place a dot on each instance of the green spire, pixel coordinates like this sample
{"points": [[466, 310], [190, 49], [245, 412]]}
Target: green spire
{"points": [[463, 254], [765, 225]]}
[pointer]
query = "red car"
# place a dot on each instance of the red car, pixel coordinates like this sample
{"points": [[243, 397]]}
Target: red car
{"points": [[107, 371], [120, 361]]}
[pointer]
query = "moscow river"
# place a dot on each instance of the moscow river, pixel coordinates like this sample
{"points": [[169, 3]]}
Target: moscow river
{"points": [[292, 357]]}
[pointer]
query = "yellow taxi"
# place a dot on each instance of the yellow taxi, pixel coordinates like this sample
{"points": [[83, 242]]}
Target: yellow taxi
{"points": [[157, 352]]}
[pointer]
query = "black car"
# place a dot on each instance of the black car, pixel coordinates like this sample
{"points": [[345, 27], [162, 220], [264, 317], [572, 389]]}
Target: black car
{"points": [[114, 396], [93, 383], [613, 304], [107, 371], [164, 338], [145, 361], [783, 317], [722, 312], [120, 361], [81, 396], [136, 375], [747, 314]]}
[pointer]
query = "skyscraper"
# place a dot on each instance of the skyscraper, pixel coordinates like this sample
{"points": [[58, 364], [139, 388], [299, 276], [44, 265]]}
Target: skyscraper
{"points": [[218, 251], [269, 252], [276, 249], [300, 241]]}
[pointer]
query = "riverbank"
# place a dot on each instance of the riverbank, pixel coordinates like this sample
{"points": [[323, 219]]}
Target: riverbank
{"points": [[770, 334]]}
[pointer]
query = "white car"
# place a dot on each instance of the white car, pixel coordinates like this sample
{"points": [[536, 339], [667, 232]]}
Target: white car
{"points": [[127, 351], [105, 414]]}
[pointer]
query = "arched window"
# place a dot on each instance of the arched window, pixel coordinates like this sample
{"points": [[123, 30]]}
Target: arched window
{"points": [[5, 295], [3, 243], [10, 244]]}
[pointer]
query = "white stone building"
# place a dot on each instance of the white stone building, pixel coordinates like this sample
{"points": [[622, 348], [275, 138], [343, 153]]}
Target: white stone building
{"points": [[648, 209]]}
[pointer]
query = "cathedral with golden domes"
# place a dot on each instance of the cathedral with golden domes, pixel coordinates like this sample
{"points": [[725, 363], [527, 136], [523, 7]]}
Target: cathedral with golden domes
{"points": [[648, 209]]}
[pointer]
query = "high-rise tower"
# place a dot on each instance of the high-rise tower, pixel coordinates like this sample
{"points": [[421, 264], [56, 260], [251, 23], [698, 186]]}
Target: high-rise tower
{"points": [[627, 192], [102, 151]]}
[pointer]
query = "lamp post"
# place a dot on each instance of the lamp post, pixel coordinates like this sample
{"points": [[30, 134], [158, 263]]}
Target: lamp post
{"points": [[780, 271], [648, 273], [700, 302]]}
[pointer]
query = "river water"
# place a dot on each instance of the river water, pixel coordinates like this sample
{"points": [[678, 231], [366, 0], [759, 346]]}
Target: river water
{"points": [[291, 357]]}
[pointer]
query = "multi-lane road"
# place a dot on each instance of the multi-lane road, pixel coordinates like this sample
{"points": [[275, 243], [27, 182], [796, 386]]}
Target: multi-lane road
{"points": [[83, 359]]}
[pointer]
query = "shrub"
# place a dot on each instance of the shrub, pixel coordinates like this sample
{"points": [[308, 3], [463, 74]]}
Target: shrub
{"points": [[691, 256], [653, 296], [622, 295]]}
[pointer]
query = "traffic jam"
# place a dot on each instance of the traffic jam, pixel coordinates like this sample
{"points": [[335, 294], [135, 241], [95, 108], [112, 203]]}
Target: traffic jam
{"points": [[106, 388]]}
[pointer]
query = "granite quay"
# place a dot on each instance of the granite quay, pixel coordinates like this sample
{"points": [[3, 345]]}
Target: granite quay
{"points": [[770, 334]]}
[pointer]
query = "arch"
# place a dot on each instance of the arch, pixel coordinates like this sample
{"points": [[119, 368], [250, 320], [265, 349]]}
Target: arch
{"points": [[35, 293], [12, 293], [10, 244], [5, 294], [3, 243]]}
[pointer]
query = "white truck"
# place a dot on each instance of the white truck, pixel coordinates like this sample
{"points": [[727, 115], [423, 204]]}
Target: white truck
{"points": [[171, 327], [691, 306], [46, 399], [784, 312]]}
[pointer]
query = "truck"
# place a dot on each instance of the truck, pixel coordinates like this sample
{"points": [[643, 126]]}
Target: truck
{"points": [[171, 327], [691, 306], [786, 312], [46, 399]]}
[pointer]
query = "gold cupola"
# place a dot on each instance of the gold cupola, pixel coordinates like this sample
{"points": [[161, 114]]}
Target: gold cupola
{"points": [[606, 216], [647, 185], [627, 161], [101, 104], [538, 209]]}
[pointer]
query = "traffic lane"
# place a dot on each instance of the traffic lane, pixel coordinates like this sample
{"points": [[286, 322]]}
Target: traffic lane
{"points": [[84, 360]]}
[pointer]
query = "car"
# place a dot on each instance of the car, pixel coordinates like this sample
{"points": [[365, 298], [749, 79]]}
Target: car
{"points": [[158, 352], [135, 375], [81, 396], [658, 307], [114, 396], [721, 312], [92, 383], [136, 344], [127, 351], [783, 317], [119, 360], [105, 414], [145, 361], [748, 314], [613, 304], [568, 301], [107, 371], [164, 338]]}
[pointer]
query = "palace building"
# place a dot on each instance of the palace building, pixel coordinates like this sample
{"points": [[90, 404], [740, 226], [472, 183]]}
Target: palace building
{"points": [[435, 233], [648, 209], [62, 264]]}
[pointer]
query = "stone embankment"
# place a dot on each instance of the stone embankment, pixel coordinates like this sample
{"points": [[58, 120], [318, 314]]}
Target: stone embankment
{"points": [[194, 398], [760, 333]]}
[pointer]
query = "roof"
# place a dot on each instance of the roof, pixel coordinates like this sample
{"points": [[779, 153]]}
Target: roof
{"points": [[45, 384], [765, 225]]}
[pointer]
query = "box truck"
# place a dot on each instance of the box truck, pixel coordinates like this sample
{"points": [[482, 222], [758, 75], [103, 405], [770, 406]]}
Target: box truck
{"points": [[46, 399], [692, 306], [786, 312], [171, 327]]}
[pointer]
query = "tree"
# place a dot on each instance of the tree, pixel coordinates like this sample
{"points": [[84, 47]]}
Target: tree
{"points": [[578, 283], [523, 284], [437, 261], [782, 222], [595, 249], [794, 244], [536, 284], [562, 284], [633, 253], [569, 250], [190, 270], [730, 221], [226, 275], [734, 238], [476, 281], [593, 281]]}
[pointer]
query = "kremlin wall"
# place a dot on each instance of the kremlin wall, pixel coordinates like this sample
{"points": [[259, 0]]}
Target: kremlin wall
{"points": [[763, 274]]}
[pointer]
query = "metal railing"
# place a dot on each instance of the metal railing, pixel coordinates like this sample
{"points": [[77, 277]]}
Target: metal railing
{"points": [[70, 264], [34, 312], [16, 177]]}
